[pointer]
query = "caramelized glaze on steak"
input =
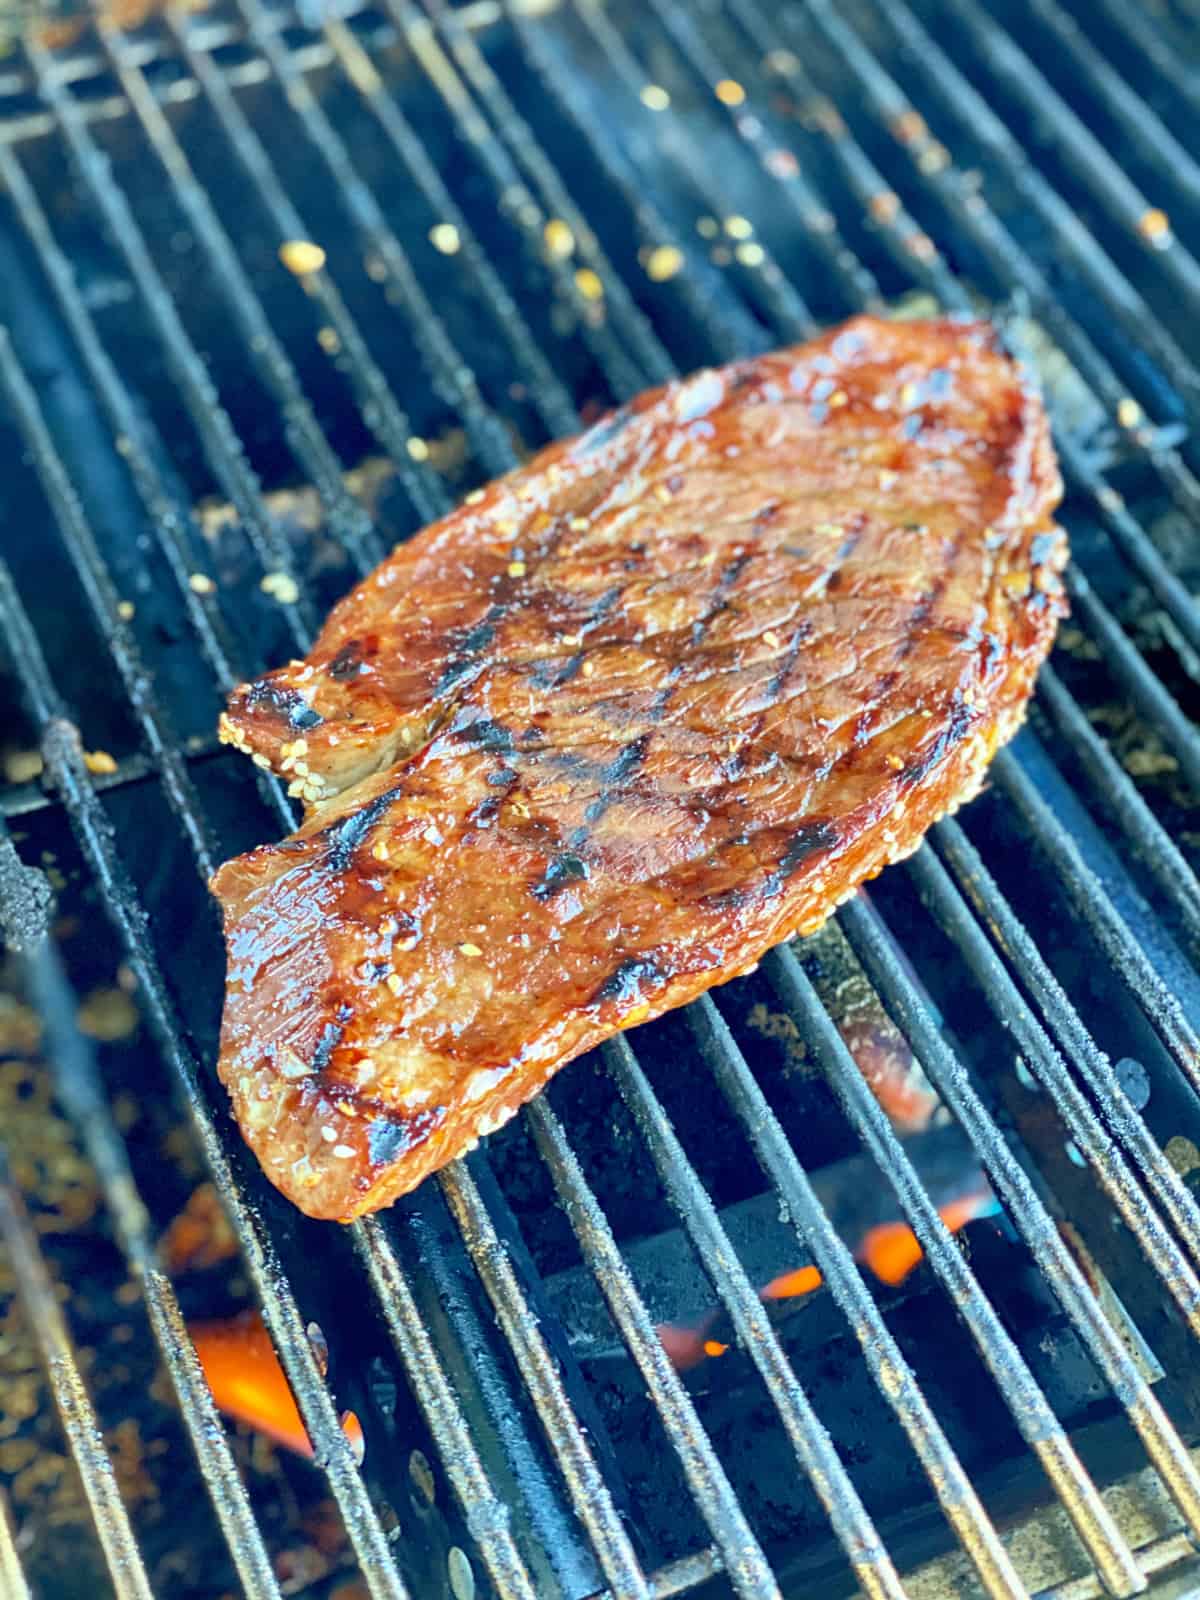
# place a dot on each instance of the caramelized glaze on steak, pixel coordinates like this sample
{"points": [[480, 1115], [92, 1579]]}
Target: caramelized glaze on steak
{"points": [[630, 716]]}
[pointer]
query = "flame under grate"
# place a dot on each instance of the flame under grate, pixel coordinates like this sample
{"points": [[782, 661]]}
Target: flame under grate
{"points": [[524, 218]]}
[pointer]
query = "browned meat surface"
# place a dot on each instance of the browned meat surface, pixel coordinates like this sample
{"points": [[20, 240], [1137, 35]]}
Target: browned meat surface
{"points": [[628, 717]]}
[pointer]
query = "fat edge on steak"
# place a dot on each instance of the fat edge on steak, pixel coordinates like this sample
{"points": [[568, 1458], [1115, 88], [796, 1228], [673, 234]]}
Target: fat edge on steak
{"points": [[631, 715]]}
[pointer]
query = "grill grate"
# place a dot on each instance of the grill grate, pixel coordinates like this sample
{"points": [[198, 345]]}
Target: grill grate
{"points": [[938, 221]]}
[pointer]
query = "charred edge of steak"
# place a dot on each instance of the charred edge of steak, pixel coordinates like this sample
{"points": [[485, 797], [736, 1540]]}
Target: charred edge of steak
{"points": [[267, 696], [624, 983]]}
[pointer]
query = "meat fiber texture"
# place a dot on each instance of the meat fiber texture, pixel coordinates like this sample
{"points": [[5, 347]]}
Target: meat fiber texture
{"points": [[627, 718]]}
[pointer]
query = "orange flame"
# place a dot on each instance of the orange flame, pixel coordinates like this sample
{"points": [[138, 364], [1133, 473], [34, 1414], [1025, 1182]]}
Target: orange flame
{"points": [[247, 1382], [790, 1285], [890, 1250]]}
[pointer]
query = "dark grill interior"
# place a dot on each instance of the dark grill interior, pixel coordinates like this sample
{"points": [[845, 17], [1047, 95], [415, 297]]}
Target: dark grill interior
{"points": [[528, 214]]}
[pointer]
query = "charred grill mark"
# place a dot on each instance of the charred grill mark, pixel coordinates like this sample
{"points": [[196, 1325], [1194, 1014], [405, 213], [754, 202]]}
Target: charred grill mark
{"points": [[809, 839], [625, 982], [289, 703], [488, 734], [791, 655], [347, 661], [331, 1037], [345, 837], [960, 719], [387, 1140], [564, 869], [473, 646], [616, 773], [569, 866]]}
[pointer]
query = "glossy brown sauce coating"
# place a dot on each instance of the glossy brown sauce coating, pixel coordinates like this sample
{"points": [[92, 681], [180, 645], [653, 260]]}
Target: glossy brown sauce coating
{"points": [[627, 718]]}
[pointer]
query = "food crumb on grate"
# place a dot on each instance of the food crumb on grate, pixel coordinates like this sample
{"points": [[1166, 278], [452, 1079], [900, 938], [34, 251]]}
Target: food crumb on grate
{"points": [[663, 263], [301, 256], [444, 237], [281, 586], [99, 762]]}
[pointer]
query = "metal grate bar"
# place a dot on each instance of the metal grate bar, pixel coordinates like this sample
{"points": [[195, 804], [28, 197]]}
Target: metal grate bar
{"points": [[1077, 146], [742, 1557], [546, 390], [1147, 35], [855, 1531], [56, 1349], [450, 376], [728, 328], [1147, 135], [1132, 540], [1091, 1062], [64, 763], [488, 1518], [1030, 1409], [12, 1578], [646, 353], [1027, 1212], [892, 1374], [677, 1577], [1136, 675], [515, 203], [808, 208], [1153, 846], [1126, 957], [1143, 688], [79, 1089], [169, 520], [1109, 1165], [908, 129], [348, 521], [102, 597], [589, 1492], [767, 281], [221, 444], [376, 402]]}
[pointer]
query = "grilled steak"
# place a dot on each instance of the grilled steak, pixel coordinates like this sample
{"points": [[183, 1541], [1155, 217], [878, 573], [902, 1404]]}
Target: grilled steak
{"points": [[628, 717]]}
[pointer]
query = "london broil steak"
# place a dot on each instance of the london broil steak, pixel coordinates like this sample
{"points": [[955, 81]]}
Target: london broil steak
{"points": [[628, 717]]}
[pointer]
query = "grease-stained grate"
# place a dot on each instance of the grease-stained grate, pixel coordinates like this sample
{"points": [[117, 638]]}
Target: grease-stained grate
{"points": [[524, 217]]}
